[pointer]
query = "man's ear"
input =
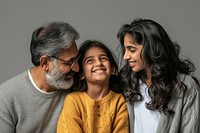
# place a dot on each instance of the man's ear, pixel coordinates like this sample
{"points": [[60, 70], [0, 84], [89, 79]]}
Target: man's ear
{"points": [[44, 62]]}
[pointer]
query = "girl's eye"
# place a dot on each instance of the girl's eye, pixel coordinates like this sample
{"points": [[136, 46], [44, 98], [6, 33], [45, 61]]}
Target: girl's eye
{"points": [[103, 58], [89, 61]]}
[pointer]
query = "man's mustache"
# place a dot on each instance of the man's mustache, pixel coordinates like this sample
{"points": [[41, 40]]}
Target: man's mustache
{"points": [[70, 73]]}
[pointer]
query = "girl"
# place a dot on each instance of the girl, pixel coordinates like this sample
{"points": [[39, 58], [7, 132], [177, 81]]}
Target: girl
{"points": [[162, 95], [96, 107]]}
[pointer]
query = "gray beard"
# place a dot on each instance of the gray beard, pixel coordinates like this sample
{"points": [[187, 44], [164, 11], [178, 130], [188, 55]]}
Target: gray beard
{"points": [[58, 80]]}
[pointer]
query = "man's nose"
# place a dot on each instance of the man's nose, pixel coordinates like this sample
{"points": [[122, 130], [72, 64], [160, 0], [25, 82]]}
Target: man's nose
{"points": [[75, 66]]}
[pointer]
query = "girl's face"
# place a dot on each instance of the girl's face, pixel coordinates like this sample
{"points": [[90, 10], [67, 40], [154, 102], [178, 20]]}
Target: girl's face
{"points": [[96, 66], [133, 52]]}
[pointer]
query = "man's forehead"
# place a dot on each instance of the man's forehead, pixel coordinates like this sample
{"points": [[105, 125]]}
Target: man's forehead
{"points": [[69, 53]]}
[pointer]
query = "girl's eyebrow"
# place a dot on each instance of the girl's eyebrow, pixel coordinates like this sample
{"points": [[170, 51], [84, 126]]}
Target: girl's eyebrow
{"points": [[103, 55], [89, 57]]}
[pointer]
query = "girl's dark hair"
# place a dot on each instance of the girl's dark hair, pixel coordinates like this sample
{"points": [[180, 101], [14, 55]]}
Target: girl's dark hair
{"points": [[85, 46], [162, 55]]}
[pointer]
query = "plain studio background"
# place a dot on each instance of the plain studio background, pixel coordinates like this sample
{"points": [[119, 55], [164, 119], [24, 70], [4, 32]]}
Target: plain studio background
{"points": [[94, 19]]}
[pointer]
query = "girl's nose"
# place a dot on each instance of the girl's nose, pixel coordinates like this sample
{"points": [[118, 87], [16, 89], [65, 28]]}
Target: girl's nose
{"points": [[98, 62]]}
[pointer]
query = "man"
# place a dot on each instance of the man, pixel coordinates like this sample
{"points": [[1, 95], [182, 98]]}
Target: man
{"points": [[32, 101]]}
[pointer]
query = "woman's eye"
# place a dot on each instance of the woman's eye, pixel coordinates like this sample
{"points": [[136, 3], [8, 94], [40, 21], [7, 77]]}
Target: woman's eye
{"points": [[132, 49]]}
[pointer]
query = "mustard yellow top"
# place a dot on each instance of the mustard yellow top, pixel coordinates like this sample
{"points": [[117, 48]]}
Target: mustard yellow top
{"points": [[82, 114]]}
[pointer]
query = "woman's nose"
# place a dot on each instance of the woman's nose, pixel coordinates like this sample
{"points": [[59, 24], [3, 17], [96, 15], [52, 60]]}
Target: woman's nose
{"points": [[126, 56]]}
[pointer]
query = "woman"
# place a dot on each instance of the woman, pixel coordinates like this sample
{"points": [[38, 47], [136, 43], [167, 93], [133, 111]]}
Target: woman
{"points": [[96, 107], [162, 95]]}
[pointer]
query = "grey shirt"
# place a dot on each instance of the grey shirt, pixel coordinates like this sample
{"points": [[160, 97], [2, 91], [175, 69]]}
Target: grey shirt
{"points": [[187, 111], [24, 109]]}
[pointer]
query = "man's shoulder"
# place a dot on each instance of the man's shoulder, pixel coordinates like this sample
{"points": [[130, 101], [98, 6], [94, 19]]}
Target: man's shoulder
{"points": [[13, 82]]}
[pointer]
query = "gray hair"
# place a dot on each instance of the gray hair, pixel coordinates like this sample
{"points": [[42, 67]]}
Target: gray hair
{"points": [[50, 39]]}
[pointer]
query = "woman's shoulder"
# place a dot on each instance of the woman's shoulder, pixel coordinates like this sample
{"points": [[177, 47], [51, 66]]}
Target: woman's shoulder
{"points": [[189, 82]]}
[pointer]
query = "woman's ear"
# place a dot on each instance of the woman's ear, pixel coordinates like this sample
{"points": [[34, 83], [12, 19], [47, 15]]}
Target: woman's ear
{"points": [[44, 62]]}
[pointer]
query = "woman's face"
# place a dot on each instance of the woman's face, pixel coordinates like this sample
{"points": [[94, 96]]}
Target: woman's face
{"points": [[133, 53], [96, 66]]}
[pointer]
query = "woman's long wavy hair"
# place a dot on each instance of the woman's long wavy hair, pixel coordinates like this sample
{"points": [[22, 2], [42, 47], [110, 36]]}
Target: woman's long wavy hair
{"points": [[81, 84], [162, 55]]}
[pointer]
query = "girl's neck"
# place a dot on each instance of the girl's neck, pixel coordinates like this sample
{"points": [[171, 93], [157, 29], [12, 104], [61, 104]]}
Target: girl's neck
{"points": [[97, 92]]}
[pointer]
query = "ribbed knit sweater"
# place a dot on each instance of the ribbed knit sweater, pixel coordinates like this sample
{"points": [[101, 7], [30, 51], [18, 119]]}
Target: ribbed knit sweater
{"points": [[82, 114]]}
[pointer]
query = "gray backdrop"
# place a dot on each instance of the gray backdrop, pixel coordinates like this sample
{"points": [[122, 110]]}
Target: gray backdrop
{"points": [[94, 19]]}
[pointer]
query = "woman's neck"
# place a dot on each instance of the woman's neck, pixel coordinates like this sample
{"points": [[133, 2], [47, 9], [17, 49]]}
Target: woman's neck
{"points": [[146, 76]]}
